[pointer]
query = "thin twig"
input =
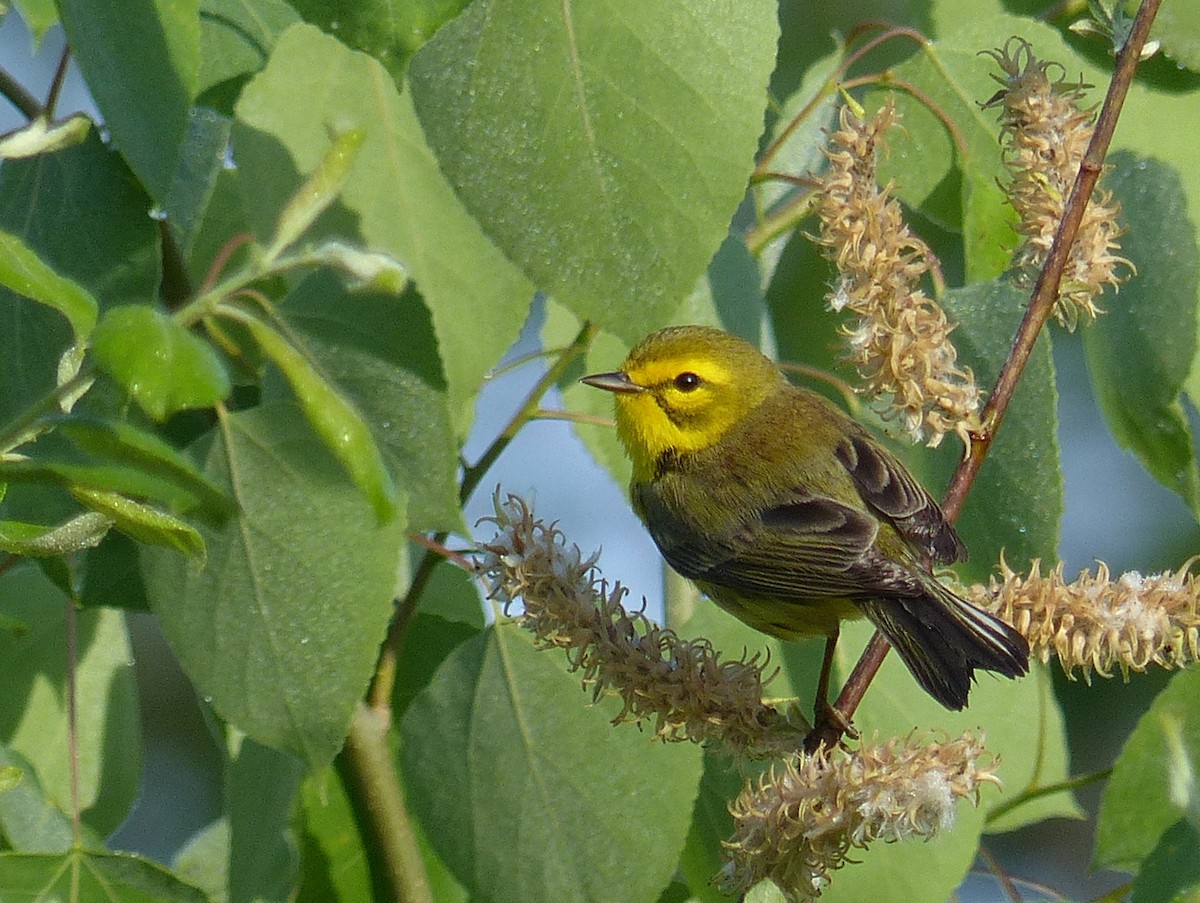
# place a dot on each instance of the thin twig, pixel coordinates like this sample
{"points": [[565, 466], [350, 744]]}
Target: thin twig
{"points": [[379, 697], [1040, 306], [56, 85], [1001, 876]]}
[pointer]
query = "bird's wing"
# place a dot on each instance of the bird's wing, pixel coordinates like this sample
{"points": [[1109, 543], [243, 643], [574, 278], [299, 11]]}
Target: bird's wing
{"points": [[808, 547], [890, 490]]}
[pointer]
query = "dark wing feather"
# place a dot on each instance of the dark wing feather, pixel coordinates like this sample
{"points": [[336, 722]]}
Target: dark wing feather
{"points": [[807, 548], [887, 486]]}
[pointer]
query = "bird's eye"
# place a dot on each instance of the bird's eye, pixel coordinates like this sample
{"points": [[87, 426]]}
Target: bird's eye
{"points": [[687, 382]]}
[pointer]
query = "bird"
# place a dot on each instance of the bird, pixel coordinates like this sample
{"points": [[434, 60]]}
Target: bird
{"points": [[791, 515]]}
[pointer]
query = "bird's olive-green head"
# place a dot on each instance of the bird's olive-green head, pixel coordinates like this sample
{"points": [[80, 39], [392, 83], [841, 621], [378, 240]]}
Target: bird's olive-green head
{"points": [[682, 388]]}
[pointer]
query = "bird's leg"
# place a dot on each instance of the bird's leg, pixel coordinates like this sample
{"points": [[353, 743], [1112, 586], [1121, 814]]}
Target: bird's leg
{"points": [[827, 720]]}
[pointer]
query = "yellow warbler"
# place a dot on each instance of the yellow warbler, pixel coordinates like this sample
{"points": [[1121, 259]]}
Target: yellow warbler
{"points": [[789, 514]]}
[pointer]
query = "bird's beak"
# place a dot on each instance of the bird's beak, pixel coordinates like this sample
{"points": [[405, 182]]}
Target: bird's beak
{"points": [[613, 382]]}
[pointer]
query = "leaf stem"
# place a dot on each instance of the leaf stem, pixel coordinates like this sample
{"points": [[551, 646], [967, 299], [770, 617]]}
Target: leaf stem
{"points": [[368, 771], [1034, 793], [1040, 306], [19, 96]]}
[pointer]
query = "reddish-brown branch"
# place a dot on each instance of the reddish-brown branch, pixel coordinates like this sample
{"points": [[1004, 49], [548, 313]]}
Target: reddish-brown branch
{"points": [[1040, 306]]}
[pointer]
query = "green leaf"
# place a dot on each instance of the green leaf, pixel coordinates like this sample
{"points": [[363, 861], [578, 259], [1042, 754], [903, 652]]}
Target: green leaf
{"points": [[284, 631], [318, 191], [165, 367], [137, 458], [83, 531], [39, 15], [334, 419], [527, 792], [143, 522], [1171, 873], [203, 860], [1153, 783], [396, 199], [111, 576], [604, 147], [236, 37], [29, 822], [83, 876], [381, 353], [389, 30], [203, 160], [141, 62], [23, 271], [110, 250], [430, 639], [1016, 503], [1140, 351], [953, 176], [1177, 28], [33, 713], [264, 861], [333, 860]]}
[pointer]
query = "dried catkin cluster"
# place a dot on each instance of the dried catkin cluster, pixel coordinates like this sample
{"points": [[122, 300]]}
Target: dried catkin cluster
{"points": [[801, 821], [683, 686], [1045, 135], [1096, 622], [900, 341]]}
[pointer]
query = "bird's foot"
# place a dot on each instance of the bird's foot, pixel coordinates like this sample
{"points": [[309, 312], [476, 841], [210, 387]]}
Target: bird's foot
{"points": [[829, 726]]}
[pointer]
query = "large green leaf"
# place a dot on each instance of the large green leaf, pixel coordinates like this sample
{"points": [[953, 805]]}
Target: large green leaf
{"points": [[400, 198], [603, 146], [382, 353], [141, 61], [84, 876], [163, 366], [1139, 352], [282, 627], [528, 793], [33, 707], [1153, 783]]}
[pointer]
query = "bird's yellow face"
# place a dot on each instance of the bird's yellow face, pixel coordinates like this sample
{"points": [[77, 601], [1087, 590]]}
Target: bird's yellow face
{"points": [[681, 390]]}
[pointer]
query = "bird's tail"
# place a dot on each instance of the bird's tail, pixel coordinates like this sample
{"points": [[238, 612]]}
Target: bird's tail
{"points": [[942, 638]]}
